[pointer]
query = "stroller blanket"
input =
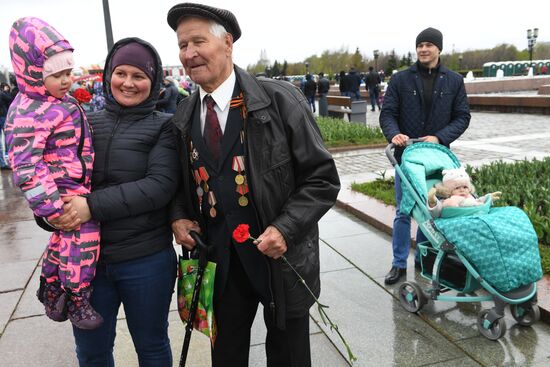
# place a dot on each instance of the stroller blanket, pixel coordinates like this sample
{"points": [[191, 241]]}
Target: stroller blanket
{"points": [[501, 245]]}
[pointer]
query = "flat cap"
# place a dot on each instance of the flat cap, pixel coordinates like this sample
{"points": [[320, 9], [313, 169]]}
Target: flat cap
{"points": [[224, 17]]}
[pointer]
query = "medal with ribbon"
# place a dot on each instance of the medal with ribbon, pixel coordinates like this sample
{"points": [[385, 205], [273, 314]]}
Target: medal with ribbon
{"points": [[198, 181], [238, 166], [194, 155], [212, 201], [240, 179], [204, 176], [243, 190]]}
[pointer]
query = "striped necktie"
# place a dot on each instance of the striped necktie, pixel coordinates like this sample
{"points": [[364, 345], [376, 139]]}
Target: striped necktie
{"points": [[212, 130]]}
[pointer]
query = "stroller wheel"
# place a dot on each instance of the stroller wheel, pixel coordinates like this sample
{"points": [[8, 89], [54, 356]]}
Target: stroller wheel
{"points": [[525, 315], [411, 296], [491, 330]]}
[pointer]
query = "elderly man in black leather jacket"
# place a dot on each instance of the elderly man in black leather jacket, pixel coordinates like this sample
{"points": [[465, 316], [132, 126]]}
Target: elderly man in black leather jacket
{"points": [[267, 168]]}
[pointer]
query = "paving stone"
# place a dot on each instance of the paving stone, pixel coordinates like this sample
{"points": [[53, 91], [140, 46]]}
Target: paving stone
{"points": [[21, 241], [8, 302], [323, 353], [518, 347], [380, 332], [15, 275], [457, 362], [37, 341], [29, 304]]}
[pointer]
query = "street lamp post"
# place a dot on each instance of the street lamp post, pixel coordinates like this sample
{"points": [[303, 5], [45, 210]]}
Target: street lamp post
{"points": [[531, 40], [307, 67], [460, 62], [376, 53], [108, 28]]}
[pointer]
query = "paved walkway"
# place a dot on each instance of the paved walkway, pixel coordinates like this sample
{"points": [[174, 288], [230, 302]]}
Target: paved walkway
{"points": [[354, 259]]}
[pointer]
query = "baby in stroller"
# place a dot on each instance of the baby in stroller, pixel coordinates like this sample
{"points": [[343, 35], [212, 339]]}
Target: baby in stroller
{"points": [[455, 190]]}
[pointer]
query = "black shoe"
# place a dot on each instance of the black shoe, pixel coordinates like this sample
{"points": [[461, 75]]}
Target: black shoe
{"points": [[372, 109], [394, 275]]}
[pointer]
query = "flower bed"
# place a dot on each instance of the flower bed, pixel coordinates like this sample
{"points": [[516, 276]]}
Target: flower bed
{"points": [[337, 133]]}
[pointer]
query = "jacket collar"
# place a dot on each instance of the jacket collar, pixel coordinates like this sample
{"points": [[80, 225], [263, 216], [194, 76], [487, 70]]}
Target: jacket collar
{"points": [[415, 68], [255, 98]]}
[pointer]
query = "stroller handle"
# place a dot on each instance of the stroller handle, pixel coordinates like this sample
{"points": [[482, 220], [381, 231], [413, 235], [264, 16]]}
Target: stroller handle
{"points": [[391, 146]]}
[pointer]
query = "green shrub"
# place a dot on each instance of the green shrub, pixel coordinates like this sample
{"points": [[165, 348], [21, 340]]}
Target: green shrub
{"points": [[381, 189], [337, 132]]}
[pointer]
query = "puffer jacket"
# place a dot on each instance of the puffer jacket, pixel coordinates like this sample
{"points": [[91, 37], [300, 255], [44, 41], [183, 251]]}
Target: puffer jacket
{"points": [[292, 177], [49, 140], [403, 111], [136, 173]]}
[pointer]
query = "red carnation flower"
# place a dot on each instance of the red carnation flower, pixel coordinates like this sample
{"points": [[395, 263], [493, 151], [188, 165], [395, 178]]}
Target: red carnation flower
{"points": [[82, 95], [241, 233]]}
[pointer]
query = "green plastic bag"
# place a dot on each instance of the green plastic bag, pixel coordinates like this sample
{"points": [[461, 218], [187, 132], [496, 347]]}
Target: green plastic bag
{"points": [[204, 320]]}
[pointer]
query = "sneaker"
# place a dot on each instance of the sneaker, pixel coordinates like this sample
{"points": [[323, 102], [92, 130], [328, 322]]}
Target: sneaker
{"points": [[80, 311], [54, 299]]}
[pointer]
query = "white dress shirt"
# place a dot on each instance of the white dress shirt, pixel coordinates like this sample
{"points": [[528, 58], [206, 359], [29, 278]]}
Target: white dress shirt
{"points": [[222, 96]]}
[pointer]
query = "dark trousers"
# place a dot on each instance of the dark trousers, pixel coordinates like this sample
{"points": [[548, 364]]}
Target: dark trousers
{"points": [[235, 312]]}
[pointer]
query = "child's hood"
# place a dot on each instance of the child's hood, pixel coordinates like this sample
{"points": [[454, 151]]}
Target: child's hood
{"points": [[32, 41]]}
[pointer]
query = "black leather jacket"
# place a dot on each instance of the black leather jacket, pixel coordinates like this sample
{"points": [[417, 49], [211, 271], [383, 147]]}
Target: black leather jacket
{"points": [[293, 181]]}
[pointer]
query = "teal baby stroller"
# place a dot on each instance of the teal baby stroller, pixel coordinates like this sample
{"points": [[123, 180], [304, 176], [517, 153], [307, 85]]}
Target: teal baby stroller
{"points": [[468, 248]]}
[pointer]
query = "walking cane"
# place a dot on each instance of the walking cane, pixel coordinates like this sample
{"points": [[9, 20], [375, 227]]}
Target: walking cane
{"points": [[203, 260]]}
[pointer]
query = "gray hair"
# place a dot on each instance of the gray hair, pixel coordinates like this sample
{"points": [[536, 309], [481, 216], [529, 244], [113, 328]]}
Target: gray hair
{"points": [[217, 30]]}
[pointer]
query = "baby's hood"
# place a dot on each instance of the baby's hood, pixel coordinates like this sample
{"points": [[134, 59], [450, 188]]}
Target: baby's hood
{"points": [[32, 41]]}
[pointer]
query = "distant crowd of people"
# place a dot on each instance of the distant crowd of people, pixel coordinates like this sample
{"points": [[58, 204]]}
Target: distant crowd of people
{"points": [[349, 85]]}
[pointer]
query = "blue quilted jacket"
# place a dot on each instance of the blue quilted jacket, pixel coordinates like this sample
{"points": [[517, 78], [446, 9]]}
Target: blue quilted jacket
{"points": [[403, 110]]}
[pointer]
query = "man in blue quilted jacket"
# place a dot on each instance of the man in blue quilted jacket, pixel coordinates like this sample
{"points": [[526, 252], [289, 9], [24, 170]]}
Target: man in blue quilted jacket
{"points": [[425, 101]]}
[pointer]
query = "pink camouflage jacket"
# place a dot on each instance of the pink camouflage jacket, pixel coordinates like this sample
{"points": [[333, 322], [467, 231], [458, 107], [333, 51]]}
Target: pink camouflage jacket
{"points": [[49, 139]]}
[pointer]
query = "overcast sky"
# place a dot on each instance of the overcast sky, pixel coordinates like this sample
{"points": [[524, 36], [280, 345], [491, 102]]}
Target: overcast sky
{"points": [[291, 29]]}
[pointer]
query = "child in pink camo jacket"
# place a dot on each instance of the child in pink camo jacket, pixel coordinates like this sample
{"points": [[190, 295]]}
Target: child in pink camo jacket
{"points": [[51, 153]]}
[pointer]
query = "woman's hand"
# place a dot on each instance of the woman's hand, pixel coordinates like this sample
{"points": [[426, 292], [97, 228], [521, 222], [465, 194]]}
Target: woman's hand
{"points": [[69, 220], [78, 204]]}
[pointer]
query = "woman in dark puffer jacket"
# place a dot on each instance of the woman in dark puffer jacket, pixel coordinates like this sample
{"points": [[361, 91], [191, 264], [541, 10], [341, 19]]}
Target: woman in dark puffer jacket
{"points": [[135, 176]]}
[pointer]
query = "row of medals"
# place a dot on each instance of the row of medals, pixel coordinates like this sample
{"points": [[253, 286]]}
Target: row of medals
{"points": [[201, 177]]}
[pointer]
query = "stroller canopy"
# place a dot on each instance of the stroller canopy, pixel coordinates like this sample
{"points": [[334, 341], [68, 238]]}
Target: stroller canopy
{"points": [[422, 164]]}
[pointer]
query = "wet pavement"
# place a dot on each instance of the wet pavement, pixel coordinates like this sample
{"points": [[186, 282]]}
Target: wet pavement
{"points": [[354, 259]]}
